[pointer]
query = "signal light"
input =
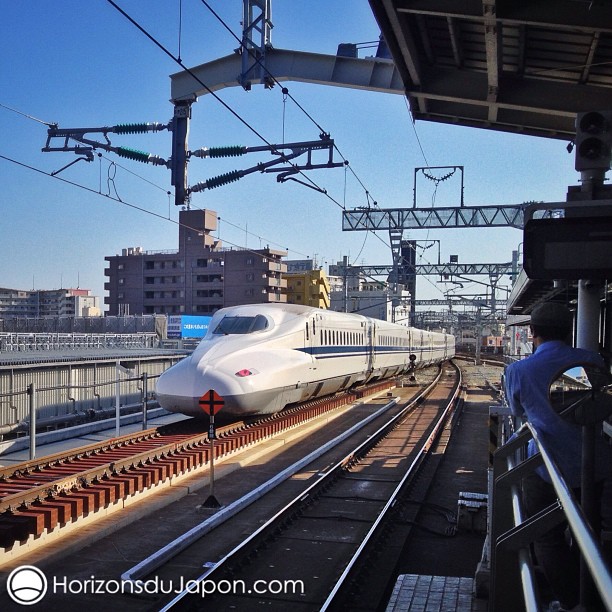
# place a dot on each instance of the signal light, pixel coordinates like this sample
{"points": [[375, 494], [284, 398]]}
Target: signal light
{"points": [[593, 140]]}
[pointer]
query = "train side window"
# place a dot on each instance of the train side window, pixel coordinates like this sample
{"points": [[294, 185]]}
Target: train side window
{"points": [[307, 332]]}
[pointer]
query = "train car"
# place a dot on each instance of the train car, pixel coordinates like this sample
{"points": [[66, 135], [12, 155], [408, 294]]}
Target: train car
{"points": [[260, 357]]}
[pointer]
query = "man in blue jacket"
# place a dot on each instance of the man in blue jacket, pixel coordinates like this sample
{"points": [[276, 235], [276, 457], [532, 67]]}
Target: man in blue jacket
{"points": [[527, 386]]}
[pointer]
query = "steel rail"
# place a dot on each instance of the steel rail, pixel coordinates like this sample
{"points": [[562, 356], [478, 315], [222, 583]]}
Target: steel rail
{"points": [[26, 467], [69, 455], [293, 506], [409, 475], [92, 475], [170, 550]]}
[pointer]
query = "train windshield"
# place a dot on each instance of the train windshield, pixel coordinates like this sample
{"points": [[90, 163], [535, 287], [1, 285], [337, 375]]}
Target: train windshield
{"points": [[241, 325]]}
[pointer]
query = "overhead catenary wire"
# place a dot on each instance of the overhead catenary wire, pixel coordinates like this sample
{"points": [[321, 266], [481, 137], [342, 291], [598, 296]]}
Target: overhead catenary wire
{"points": [[111, 181], [232, 111], [14, 110], [117, 199]]}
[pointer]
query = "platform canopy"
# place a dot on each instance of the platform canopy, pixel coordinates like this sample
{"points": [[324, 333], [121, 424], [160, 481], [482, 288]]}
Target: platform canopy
{"points": [[513, 65]]}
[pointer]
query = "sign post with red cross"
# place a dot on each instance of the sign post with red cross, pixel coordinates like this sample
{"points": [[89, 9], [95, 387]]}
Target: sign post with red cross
{"points": [[211, 402]]}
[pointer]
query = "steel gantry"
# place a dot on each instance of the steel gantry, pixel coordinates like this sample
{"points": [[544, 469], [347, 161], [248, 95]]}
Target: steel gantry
{"points": [[365, 219], [450, 269]]}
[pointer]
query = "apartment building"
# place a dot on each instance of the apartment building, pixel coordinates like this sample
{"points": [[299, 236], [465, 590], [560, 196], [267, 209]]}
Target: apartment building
{"points": [[48, 303], [309, 288], [199, 278]]}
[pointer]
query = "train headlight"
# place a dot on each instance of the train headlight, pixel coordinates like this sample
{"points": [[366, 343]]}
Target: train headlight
{"points": [[246, 372]]}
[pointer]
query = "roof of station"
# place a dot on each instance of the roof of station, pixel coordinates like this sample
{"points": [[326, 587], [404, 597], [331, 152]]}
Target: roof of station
{"points": [[510, 65]]}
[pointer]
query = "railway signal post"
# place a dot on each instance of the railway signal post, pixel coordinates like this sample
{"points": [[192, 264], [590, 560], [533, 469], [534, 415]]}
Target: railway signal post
{"points": [[211, 402]]}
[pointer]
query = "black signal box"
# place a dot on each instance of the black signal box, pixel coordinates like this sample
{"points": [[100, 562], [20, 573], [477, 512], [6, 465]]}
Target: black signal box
{"points": [[568, 248]]}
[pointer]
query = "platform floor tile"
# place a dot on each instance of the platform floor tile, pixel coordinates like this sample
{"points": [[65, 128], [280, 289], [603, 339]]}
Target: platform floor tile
{"points": [[431, 594]]}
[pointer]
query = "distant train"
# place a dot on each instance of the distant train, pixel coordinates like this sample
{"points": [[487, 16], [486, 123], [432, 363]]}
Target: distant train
{"points": [[260, 357]]}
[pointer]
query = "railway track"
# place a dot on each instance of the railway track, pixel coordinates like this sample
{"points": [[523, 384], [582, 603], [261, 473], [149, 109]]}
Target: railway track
{"points": [[43, 500], [315, 550]]}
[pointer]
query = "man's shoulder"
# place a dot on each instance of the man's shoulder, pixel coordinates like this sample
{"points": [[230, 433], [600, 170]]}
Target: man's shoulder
{"points": [[579, 355], [513, 369]]}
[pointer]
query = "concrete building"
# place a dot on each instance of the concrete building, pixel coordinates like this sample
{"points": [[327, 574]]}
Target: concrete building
{"points": [[350, 292], [15, 303], [199, 278], [308, 288], [374, 299]]}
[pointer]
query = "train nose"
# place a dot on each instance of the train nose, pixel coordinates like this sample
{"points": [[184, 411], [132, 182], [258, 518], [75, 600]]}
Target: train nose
{"points": [[178, 390]]}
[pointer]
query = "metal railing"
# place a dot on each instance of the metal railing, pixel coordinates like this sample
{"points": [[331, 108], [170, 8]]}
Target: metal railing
{"points": [[513, 584], [137, 398], [21, 342]]}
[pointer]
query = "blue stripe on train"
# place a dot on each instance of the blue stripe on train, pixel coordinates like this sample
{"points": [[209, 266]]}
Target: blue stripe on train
{"points": [[325, 352]]}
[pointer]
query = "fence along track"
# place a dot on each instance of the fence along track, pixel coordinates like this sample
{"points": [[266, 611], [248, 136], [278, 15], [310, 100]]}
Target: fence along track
{"points": [[39, 498], [336, 518]]}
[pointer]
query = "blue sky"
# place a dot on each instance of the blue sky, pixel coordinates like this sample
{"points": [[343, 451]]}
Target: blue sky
{"points": [[82, 64]]}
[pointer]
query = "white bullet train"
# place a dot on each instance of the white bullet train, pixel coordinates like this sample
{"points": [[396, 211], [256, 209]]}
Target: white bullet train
{"points": [[260, 357]]}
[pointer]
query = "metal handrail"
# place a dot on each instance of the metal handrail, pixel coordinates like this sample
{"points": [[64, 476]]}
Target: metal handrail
{"points": [[582, 531], [524, 531]]}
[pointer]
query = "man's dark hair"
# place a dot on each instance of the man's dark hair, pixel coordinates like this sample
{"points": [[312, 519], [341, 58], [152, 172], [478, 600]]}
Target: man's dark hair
{"points": [[551, 321], [548, 332]]}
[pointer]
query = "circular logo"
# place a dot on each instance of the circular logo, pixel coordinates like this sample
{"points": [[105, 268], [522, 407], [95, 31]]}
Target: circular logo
{"points": [[26, 585]]}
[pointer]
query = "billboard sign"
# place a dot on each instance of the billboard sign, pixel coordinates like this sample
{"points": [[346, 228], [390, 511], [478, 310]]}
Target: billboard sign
{"points": [[187, 326]]}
